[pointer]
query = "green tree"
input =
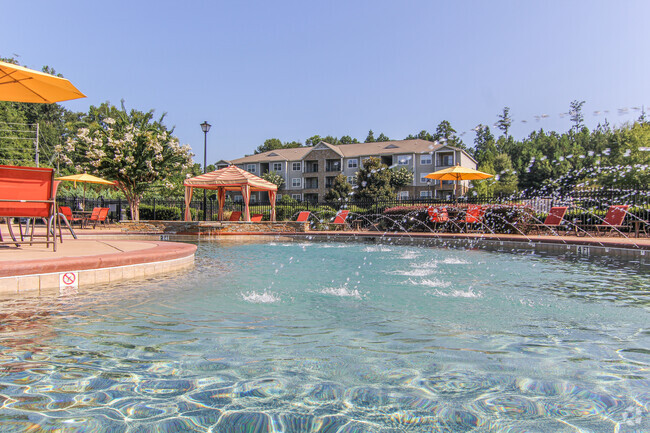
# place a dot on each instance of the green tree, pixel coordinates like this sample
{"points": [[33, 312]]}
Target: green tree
{"points": [[270, 144], [484, 146], [374, 181], [400, 177], [274, 177], [346, 139], [504, 121], [576, 114], [129, 147], [447, 135], [313, 140], [382, 137], [370, 138], [340, 190], [506, 176]]}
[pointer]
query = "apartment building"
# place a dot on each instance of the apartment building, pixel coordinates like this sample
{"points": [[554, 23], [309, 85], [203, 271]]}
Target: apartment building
{"points": [[309, 172]]}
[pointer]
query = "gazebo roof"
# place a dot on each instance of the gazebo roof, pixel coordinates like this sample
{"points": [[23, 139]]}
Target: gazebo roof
{"points": [[230, 178]]}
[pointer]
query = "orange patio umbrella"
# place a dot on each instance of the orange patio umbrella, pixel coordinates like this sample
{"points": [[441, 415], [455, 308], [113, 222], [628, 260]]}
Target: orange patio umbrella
{"points": [[85, 178], [458, 173], [20, 84]]}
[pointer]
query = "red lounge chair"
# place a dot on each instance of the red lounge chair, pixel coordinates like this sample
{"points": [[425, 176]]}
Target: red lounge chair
{"points": [[235, 216], [554, 219], [92, 217], [303, 216], [613, 219], [437, 215], [339, 219], [28, 192], [256, 217], [67, 213], [474, 215]]}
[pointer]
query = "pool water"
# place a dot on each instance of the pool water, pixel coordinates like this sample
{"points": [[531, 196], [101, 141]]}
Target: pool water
{"points": [[334, 337]]}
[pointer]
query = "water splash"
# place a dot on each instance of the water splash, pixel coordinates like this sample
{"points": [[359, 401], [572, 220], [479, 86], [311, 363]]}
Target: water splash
{"points": [[260, 298], [342, 291]]}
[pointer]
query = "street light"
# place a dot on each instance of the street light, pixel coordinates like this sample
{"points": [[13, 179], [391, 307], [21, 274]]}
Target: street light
{"points": [[205, 127]]}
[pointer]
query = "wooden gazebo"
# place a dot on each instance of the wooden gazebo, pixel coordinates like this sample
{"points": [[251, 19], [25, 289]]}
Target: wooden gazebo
{"points": [[231, 178]]}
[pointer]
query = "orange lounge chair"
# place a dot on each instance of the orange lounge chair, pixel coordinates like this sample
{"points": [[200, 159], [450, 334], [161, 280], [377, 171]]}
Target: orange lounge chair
{"points": [[29, 192], [67, 213], [438, 215], [303, 216], [554, 219], [339, 219], [256, 217], [613, 219], [474, 215], [235, 216]]}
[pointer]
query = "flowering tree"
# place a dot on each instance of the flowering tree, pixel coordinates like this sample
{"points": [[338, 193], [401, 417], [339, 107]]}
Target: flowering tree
{"points": [[131, 148]]}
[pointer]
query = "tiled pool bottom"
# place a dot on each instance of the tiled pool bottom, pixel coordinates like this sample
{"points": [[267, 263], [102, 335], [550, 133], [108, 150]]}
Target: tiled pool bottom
{"points": [[327, 337]]}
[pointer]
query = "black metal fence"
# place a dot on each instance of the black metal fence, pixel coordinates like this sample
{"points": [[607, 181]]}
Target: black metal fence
{"points": [[586, 206]]}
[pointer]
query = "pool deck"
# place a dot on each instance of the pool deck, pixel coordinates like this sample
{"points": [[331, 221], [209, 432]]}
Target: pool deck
{"points": [[110, 255]]}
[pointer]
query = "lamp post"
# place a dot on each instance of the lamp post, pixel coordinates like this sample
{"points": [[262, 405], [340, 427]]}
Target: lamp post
{"points": [[205, 127]]}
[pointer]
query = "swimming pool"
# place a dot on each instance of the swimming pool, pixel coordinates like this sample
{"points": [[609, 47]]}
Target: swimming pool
{"points": [[329, 337]]}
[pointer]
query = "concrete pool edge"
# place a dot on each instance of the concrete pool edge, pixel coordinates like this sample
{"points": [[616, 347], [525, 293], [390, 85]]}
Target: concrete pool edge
{"points": [[149, 259]]}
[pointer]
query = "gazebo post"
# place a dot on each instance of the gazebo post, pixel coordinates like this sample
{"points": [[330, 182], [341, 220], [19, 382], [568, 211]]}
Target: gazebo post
{"points": [[246, 195]]}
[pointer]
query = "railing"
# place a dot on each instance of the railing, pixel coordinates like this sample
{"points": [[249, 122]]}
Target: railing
{"points": [[587, 206]]}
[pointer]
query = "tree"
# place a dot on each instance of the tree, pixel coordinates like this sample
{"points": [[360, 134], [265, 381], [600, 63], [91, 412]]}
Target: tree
{"points": [[504, 121], [129, 147], [576, 114], [370, 138], [506, 176], [340, 190], [400, 177], [274, 177], [447, 135], [484, 146], [270, 144], [382, 137], [373, 181], [346, 139], [313, 140]]}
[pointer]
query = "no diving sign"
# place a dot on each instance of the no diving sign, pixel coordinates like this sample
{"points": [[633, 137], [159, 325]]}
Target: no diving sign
{"points": [[68, 280]]}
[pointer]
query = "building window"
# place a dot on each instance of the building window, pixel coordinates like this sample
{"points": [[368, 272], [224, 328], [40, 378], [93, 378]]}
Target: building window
{"points": [[296, 166], [239, 198], [253, 198], [447, 182], [352, 180], [447, 160], [279, 196], [353, 163], [277, 166], [311, 183], [250, 168], [403, 159], [402, 195], [425, 179], [296, 196], [329, 181], [425, 159], [425, 194], [333, 165], [296, 182]]}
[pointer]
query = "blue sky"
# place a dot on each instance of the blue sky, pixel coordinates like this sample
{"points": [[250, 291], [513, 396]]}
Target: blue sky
{"points": [[292, 69]]}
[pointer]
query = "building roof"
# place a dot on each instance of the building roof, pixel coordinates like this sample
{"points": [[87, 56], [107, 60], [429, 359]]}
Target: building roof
{"points": [[230, 178], [355, 150], [294, 154]]}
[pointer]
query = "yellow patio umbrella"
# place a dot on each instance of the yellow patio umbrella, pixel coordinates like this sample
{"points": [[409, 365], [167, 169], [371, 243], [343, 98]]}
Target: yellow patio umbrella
{"points": [[85, 178], [19, 84], [458, 173]]}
